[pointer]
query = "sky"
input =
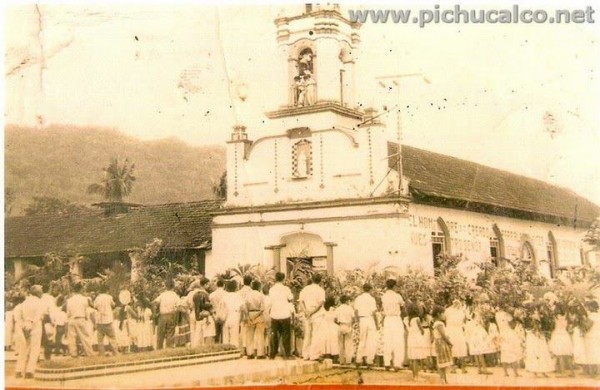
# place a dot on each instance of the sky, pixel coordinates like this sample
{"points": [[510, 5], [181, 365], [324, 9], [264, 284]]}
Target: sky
{"points": [[524, 98]]}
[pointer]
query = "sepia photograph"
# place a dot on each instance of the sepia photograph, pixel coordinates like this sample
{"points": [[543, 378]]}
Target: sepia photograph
{"points": [[264, 194]]}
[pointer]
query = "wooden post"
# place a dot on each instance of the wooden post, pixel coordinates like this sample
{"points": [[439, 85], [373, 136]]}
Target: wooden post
{"points": [[330, 246]]}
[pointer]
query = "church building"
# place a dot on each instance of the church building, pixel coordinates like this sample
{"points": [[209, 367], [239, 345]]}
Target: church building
{"points": [[333, 186]]}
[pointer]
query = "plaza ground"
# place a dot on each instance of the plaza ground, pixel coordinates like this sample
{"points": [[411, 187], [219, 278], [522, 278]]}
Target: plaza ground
{"points": [[248, 372]]}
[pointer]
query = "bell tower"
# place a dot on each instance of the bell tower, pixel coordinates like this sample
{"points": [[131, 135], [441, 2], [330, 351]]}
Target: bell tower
{"points": [[318, 145], [317, 51]]}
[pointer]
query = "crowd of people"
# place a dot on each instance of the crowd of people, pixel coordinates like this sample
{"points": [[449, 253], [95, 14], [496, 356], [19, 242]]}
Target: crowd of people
{"points": [[372, 328]]}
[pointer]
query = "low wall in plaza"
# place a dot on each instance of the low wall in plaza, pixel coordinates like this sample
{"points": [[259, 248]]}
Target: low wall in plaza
{"points": [[65, 374]]}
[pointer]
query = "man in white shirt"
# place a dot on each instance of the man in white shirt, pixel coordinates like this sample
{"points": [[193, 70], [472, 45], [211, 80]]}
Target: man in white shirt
{"points": [[77, 310], [216, 298], [49, 303], [281, 323], [235, 304], [167, 303], [104, 305], [255, 306], [393, 327], [28, 324], [200, 305], [311, 300], [365, 308], [244, 328]]}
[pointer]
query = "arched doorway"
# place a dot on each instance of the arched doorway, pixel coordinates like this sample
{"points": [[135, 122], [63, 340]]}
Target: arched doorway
{"points": [[305, 248]]}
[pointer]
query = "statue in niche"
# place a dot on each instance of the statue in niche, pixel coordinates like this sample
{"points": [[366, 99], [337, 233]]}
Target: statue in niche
{"points": [[305, 86], [305, 62], [302, 164], [310, 93], [302, 157], [299, 91]]}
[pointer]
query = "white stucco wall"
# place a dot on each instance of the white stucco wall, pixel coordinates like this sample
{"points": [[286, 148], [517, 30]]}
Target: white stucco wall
{"points": [[381, 234], [470, 234], [350, 164]]}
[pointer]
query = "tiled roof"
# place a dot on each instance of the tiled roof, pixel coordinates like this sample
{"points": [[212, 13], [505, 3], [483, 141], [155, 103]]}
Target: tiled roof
{"points": [[444, 177], [188, 225], [179, 225]]}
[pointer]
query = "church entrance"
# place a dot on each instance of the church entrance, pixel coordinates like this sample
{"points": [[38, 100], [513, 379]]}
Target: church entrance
{"points": [[303, 250], [313, 263]]}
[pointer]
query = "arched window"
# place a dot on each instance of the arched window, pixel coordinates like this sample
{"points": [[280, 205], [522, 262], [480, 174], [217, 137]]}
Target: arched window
{"points": [[527, 253], [494, 250], [552, 254], [496, 246], [440, 243]]}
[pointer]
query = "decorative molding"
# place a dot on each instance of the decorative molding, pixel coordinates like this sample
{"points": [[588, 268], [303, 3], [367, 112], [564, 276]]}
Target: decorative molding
{"points": [[260, 183], [319, 14], [311, 205], [350, 134], [235, 171], [308, 220], [298, 132], [320, 106], [370, 146], [275, 168], [321, 161]]}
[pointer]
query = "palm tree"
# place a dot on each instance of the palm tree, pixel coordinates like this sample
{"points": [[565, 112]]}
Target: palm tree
{"points": [[117, 183]]}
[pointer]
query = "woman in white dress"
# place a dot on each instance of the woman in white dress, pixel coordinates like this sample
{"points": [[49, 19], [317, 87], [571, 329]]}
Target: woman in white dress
{"points": [[575, 317], [538, 358], [560, 343], [455, 321], [478, 341], [144, 327], [417, 342], [591, 337], [511, 351]]}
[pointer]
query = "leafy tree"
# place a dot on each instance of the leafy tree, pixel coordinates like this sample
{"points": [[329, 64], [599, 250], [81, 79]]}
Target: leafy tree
{"points": [[117, 182], [450, 283], [220, 188], [512, 284], [49, 205]]}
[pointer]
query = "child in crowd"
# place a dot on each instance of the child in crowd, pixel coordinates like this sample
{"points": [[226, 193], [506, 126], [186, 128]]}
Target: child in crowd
{"points": [[9, 322], [379, 350], [426, 323], [493, 342], [344, 317], [59, 318], [331, 347], [443, 345], [591, 337]]}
